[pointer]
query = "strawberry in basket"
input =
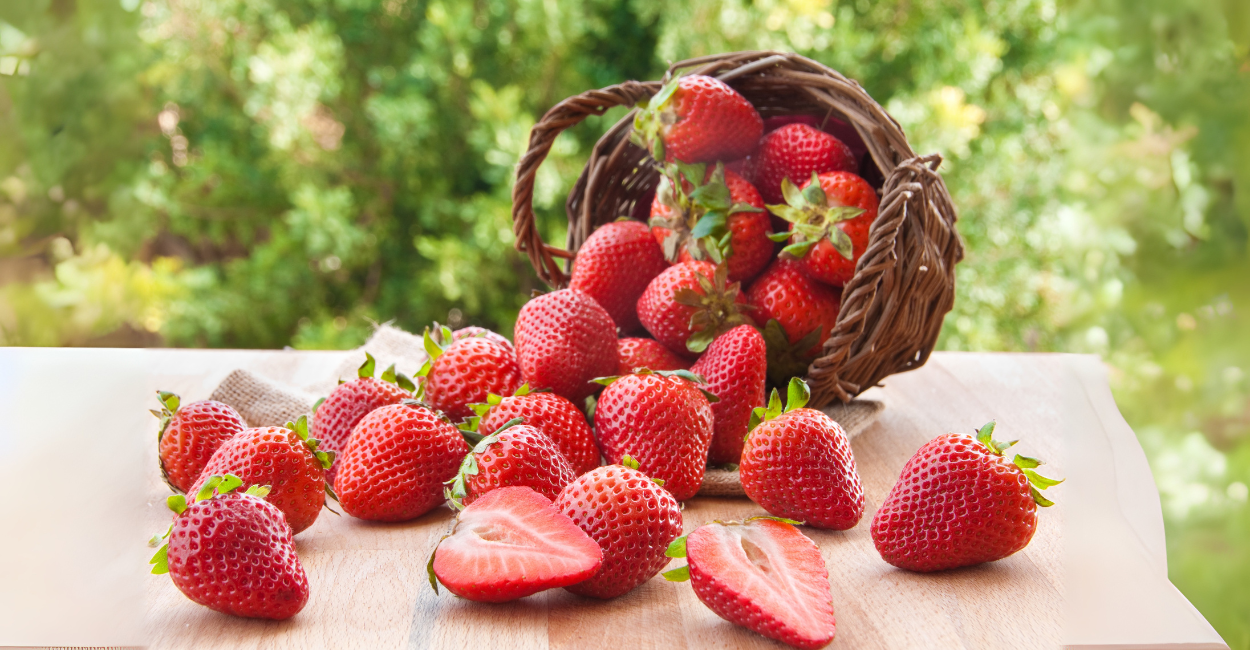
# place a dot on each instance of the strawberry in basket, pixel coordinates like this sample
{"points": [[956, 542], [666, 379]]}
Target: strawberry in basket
{"points": [[796, 151], [798, 314], [697, 119], [614, 267], [690, 304], [829, 216]]}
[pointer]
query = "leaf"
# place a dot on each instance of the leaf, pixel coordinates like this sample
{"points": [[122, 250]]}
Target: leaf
{"points": [[169, 400], [628, 461], [814, 194], [779, 236], [841, 242], [262, 491], [177, 503], [797, 394], [1039, 481], [658, 100], [1039, 499], [317, 405], [794, 198], [677, 548], [431, 348], [605, 381], [405, 382], [712, 196], [842, 213], [1024, 462], [682, 373], [743, 207], [206, 491], [693, 172], [688, 297], [709, 224], [228, 483], [366, 369], [699, 341], [774, 406], [388, 375], [985, 435], [799, 249], [680, 574], [160, 561]]}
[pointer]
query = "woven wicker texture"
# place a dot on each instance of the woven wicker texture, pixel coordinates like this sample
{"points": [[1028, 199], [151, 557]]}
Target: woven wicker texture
{"points": [[904, 284]]}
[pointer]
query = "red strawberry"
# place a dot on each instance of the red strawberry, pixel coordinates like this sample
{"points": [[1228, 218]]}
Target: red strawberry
{"points": [[697, 119], [798, 464], [647, 353], [959, 502], [831, 125], [805, 312], [232, 552], [690, 304], [335, 416], [796, 151], [614, 267], [515, 454], [762, 574], [555, 416], [632, 519], [285, 459], [396, 463], [189, 435], [465, 372], [509, 544], [480, 332], [829, 216], [723, 219], [663, 420], [564, 339], [734, 369]]}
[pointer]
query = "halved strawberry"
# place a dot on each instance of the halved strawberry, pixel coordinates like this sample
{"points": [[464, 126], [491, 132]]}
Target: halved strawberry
{"points": [[762, 574], [509, 544]]}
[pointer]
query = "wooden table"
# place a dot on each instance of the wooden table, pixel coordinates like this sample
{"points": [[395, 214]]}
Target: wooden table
{"points": [[1094, 576]]}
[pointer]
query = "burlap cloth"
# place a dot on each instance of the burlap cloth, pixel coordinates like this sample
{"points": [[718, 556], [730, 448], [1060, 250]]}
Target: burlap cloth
{"points": [[264, 402]]}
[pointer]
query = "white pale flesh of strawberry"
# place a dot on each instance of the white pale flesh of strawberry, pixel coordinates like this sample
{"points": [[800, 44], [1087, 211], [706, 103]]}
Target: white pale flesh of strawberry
{"points": [[774, 566], [515, 534]]}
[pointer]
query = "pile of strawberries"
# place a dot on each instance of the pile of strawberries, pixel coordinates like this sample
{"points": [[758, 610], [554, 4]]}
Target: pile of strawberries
{"points": [[566, 452]]}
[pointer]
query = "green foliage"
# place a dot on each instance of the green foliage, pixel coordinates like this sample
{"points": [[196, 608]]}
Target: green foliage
{"points": [[260, 173]]}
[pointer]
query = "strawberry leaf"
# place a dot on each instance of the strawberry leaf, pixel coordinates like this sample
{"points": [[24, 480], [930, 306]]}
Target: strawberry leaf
{"points": [[779, 236], [160, 561], [228, 483], [366, 369], [814, 194], [788, 213], [841, 242], [177, 503], [405, 382], [680, 574], [699, 341], [1039, 481], [206, 491], [169, 400], [1039, 499], [317, 404], [629, 461], [605, 381], [786, 360], [388, 375], [431, 348], [794, 198], [797, 394], [693, 172], [709, 224], [798, 250], [262, 491], [1024, 462], [677, 548]]}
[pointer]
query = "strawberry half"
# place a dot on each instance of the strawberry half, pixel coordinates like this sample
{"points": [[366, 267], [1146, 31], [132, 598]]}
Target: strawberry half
{"points": [[734, 369], [335, 416], [630, 517], [637, 354], [515, 454], [796, 151], [762, 574], [697, 119], [465, 372], [690, 304], [232, 552], [830, 217], [614, 267], [564, 339], [189, 435], [555, 416], [509, 544], [798, 464], [959, 502]]}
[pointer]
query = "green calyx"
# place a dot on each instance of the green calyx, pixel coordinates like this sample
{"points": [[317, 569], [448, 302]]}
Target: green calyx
{"points": [[814, 219], [367, 370], [785, 359], [169, 406], [216, 485], [797, 395], [632, 463], [653, 117], [435, 340], [300, 427], [456, 489], [1026, 464], [699, 221], [368, 367], [716, 309]]}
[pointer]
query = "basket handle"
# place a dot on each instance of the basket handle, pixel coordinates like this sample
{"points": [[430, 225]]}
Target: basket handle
{"points": [[561, 116]]}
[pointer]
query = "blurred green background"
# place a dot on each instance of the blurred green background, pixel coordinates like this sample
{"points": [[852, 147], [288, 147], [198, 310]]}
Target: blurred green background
{"points": [[261, 173]]}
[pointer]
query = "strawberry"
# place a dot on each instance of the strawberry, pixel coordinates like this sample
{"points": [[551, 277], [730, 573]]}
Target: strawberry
{"points": [[959, 502], [798, 464], [829, 216], [396, 463], [723, 219], [798, 314], [733, 369], [480, 332], [515, 454], [614, 267], [189, 435], [555, 416], [663, 420], [284, 458], [690, 304], [796, 151], [335, 416], [697, 119], [762, 574], [564, 339], [632, 519], [465, 372], [232, 552], [829, 124], [509, 544], [636, 354]]}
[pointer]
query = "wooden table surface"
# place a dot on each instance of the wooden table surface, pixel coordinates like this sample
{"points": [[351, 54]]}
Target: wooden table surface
{"points": [[369, 586]]}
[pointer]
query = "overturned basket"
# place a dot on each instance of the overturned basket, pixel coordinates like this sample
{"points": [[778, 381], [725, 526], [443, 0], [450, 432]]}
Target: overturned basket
{"points": [[904, 284]]}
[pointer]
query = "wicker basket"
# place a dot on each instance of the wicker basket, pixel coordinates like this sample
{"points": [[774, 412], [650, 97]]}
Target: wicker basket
{"points": [[904, 284]]}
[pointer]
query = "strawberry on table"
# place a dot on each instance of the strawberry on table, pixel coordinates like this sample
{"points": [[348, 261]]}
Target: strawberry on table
{"points": [[798, 314], [690, 304], [637, 354], [960, 502], [509, 544], [335, 416], [830, 216], [762, 574], [284, 458], [663, 420], [614, 267], [189, 435], [734, 369], [555, 416], [798, 464], [515, 454], [397, 461], [697, 119], [720, 219], [796, 151], [232, 552], [630, 517], [564, 339], [465, 372]]}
